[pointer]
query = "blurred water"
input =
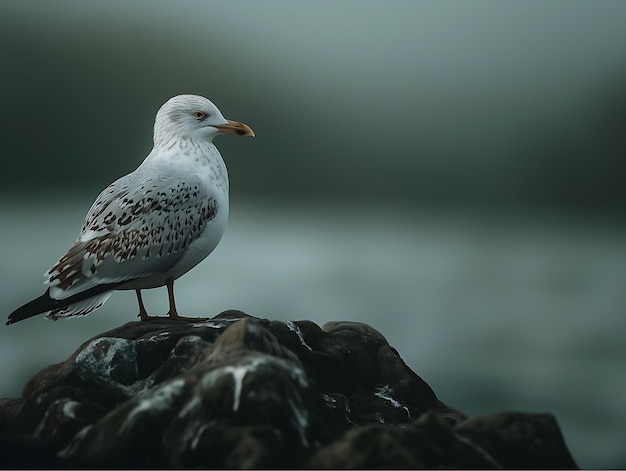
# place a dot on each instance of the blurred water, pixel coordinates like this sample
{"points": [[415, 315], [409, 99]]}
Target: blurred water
{"points": [[493, 313]]}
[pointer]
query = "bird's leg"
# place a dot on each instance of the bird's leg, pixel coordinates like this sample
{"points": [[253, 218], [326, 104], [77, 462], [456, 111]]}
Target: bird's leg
{"points": [[170, 295], [143, 314], [173, 314]]}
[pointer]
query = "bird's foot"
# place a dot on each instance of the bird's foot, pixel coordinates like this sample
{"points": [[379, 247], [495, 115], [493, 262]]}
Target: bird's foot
{"points": [[143, 316]]}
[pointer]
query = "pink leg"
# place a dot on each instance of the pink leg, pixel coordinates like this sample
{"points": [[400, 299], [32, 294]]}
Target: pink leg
{"points": [[173, 314], [143, 314]]}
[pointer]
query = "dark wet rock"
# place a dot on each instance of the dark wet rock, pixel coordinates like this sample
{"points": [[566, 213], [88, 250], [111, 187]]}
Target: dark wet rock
{"points": [[240, 392], [519, 440], [506, 440]]}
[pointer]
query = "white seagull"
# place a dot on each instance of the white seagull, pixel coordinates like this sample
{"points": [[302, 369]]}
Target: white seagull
{"points": [[151, 226]]}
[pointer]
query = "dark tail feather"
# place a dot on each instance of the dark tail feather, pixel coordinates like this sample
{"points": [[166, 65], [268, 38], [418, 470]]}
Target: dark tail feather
{"points": [[45, 303]]}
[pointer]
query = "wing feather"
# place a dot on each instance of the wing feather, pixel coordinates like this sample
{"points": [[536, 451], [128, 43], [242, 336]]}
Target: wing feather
{"points": [[136, 227]]}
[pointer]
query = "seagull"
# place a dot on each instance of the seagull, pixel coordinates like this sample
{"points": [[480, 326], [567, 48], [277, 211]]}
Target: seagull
{"points": [[150, 227]]}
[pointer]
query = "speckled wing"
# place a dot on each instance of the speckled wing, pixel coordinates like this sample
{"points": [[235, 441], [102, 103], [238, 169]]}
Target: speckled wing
{"points": [[137, 227]]}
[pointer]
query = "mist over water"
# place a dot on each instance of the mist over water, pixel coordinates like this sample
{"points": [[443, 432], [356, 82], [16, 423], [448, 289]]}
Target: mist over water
{"points": [[449, 172]]}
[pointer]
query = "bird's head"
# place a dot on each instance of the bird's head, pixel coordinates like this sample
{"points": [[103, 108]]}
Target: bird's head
{"points": [[196, 118]]}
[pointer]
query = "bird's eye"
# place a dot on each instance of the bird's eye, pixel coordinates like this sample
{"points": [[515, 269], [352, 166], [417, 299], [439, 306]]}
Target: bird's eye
{"points": [[199, 114]]}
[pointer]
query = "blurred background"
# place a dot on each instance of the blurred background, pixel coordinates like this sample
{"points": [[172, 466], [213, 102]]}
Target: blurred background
{"points": [[451, 173]]}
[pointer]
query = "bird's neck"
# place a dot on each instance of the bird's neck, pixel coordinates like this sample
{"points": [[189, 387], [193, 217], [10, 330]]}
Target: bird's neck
{"points": [[201, 158], [182, 152]]}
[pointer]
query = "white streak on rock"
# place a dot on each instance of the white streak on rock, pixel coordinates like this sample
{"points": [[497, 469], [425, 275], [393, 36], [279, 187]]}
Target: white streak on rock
{"points": [[103, 365], [158, 336], [385, 393], [329, 399], [156, 399], [210, 324], [239, 373], [199, 432], [294, 328], [69, 408], [208, 381], [215, 324]]}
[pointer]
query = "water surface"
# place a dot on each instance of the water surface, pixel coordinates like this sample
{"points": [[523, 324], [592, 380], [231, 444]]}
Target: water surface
{"points": [[517, 314]]}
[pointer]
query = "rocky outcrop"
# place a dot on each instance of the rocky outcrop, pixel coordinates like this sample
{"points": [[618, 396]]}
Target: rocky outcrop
{"points": [[240, 392]]}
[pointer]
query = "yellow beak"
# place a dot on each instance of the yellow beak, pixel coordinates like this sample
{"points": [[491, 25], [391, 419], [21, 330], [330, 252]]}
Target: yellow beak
{"points": [[236, 128]]}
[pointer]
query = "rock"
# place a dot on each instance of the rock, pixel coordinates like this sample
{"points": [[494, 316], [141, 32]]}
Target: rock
{"points": [[240, 392], [506, 440]]}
